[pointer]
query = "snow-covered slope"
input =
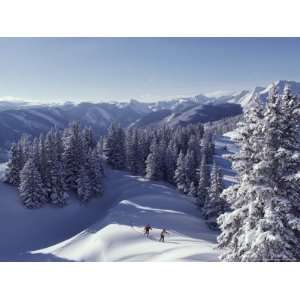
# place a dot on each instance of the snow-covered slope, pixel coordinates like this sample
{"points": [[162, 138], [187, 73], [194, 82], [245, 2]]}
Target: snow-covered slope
{"points": [[203, 114], [33, 120], [262, 93], [225, 146], [109, 228]]}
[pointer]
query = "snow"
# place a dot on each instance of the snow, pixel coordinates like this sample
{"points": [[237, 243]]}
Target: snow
{"points": [[23, 118], [2, 170], [104, 113], [224, 147], [44, 116], [108, 228], [139, 107], [119, 236], [111, 228], [231, 136]]}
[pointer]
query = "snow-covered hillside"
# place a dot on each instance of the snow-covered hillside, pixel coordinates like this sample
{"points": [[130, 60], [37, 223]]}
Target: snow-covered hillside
{"points": [[119, 236], [263, 92], [108, 229]]}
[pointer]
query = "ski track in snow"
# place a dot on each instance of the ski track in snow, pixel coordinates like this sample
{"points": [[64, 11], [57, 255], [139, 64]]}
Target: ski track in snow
{"points": [[111, 228]]}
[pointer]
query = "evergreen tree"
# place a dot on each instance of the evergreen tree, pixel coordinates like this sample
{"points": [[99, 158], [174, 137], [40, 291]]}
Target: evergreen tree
{"points": [[181, 177], [96, 173], [42, 156], [191, 166], [31, 189], [203, 182], [162, 145], [193, 145], [144, 149], [264, 224], [54, 182], [25, 147], [36, 153], [132, 151], [192, 190], [170, 162], [215, 204], [73, 156], [84, 187], [153, 163], [88, 138], [14, 165], [114, 147], [208, 147]]}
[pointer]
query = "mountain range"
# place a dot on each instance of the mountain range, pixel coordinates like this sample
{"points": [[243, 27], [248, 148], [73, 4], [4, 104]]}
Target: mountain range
{"points": [[18, 117]]}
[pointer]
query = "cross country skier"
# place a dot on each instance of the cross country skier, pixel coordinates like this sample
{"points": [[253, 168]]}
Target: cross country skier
{"points": [[147, 230], [162, 235]]}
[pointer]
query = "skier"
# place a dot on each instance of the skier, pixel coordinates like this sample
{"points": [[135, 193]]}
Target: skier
{"points": [[162, 235], [147, 229]]}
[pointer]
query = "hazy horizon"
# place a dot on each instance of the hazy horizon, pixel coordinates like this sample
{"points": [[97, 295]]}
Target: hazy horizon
{"points": [[51, 70]]}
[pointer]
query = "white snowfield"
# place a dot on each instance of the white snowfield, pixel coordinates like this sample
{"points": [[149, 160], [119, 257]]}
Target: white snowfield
{"points": [[111, 228], [119, 235]]}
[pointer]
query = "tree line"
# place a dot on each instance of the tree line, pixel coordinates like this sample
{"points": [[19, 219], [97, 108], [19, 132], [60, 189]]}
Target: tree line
{"points": [[47, 167], [181, 156]]}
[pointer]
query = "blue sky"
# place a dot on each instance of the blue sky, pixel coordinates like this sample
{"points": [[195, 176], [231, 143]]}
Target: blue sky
{"points": [[99, 69]]}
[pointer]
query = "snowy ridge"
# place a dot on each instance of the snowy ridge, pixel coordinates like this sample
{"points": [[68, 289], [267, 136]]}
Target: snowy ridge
{"points": [[119, 236]]}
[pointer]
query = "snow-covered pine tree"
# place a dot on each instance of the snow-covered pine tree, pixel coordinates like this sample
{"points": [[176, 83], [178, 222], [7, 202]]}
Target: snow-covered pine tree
{"points": [[31, 189], [35, 148], [264, 224], [132, 152], [114, 147], [215, 205], [170, 162], [96, 172], [59, 147], [191, 166], [181, 177], [84, 186], [42, 164], [192, 190], [162, 155], [208, 147], [73, 156], [54, 170], [203, 175], [48, 145], [144, 148], [194, 145], [88, 138], [14, 165], [153, 162], [25, 146], [57, 194], [182, 137]]}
